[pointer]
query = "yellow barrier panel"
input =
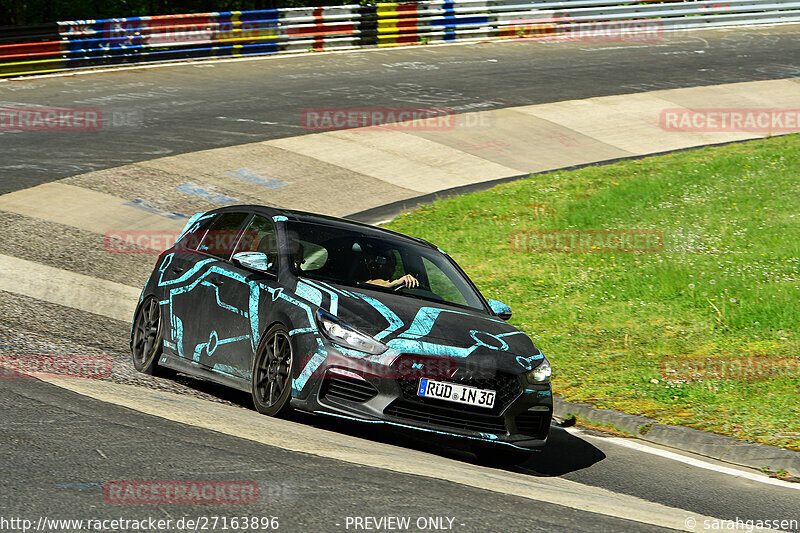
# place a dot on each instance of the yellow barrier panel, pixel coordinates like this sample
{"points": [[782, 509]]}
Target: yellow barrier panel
{"points": [[41, 66]]}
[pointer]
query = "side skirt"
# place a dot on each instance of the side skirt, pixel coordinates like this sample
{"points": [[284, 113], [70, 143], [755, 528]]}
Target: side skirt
{"points": [[196, 370]]}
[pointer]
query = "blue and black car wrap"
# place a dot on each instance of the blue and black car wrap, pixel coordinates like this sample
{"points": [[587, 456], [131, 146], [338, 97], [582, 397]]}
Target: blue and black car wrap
{"points": [[358, 350]]}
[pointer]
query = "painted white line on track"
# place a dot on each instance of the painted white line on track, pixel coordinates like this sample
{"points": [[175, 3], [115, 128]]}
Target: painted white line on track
{"points": [[699, 463], [85, 209]]}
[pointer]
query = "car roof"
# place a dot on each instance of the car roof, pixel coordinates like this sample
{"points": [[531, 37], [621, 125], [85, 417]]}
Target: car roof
{"points": [[324, 220]]}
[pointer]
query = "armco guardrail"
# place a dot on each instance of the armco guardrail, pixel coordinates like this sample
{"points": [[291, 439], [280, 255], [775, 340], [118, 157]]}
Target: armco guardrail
{"points": [[94, 43]]}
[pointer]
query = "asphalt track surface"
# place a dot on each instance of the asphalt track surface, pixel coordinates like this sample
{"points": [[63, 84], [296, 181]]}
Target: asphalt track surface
{"points": [[58, 447], [66, 445], [179, 109]]}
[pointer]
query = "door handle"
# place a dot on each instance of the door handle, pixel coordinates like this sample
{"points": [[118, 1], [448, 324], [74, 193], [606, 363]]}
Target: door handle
{"points": [[177, 269], [216, 281]]}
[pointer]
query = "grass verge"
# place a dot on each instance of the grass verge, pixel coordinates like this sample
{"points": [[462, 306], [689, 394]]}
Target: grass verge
{"points": [[702, 333]]}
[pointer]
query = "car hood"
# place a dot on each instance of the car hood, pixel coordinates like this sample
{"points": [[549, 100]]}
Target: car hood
{"points": [[415, 326]]}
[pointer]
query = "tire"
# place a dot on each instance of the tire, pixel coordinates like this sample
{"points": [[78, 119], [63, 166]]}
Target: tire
{"points": [[147, 336], [501, 455], [271, 383]]}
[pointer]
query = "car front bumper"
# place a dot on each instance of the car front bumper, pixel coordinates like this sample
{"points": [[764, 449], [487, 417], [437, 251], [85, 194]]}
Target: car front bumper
{"points": [[370, 389]]}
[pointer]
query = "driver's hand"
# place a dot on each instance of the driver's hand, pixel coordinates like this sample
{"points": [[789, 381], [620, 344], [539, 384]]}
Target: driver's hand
{"points": [[409, 281]]}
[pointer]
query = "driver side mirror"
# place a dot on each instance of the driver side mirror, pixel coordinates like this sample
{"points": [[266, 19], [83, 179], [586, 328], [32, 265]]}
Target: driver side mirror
{"points": [[500, 309], [253, 261]]}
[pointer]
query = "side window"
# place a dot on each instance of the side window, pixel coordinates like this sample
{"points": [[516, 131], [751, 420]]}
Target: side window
{"points": [[221, 236], [400, 269], [260, 237], [195, 234], [308, 256], [441, 285]]}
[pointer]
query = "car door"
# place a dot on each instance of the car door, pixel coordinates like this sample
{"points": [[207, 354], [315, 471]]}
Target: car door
{"points": [[191, 300], [175, 272], [232, 313]]}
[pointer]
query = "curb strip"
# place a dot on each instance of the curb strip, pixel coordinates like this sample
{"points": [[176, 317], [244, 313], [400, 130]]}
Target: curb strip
{"points": [[720, 447]]}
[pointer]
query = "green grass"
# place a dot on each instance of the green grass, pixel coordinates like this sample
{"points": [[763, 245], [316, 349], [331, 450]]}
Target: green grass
{"points": [[725, 284]]}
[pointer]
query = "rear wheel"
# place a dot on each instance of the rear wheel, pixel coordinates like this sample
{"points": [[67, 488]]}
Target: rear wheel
{"points": [[147, 336], [271, 384]]}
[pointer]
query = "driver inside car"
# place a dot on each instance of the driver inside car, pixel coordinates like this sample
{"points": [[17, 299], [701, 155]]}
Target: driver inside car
{"points": [[381, 268]]}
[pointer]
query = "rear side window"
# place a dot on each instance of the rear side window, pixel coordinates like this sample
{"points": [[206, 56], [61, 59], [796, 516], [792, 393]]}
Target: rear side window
{"points": [[191, 239], [221, 236]]}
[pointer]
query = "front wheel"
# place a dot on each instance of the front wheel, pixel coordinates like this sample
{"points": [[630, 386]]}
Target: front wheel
{"points": [[271, 384]]}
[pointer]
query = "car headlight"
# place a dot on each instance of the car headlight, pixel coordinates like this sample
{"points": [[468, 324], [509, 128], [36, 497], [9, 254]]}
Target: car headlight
{"points": [[540, 374], [346, 335]]}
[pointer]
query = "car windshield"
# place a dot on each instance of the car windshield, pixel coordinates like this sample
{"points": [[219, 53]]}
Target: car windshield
{"points": [[375, 261]]}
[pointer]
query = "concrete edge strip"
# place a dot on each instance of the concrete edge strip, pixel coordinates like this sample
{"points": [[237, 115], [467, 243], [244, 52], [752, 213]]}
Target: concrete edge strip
{"points": [[247, 424], [62, 287], [386, 212], [85, 209]]}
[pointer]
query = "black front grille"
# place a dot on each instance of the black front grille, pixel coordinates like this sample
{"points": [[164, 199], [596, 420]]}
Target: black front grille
{"points": [[445, 417], [533, 423], [351, 389]]}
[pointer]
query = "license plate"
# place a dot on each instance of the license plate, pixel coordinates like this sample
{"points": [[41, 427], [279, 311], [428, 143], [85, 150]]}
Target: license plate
{"points": [[453, 392]]}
